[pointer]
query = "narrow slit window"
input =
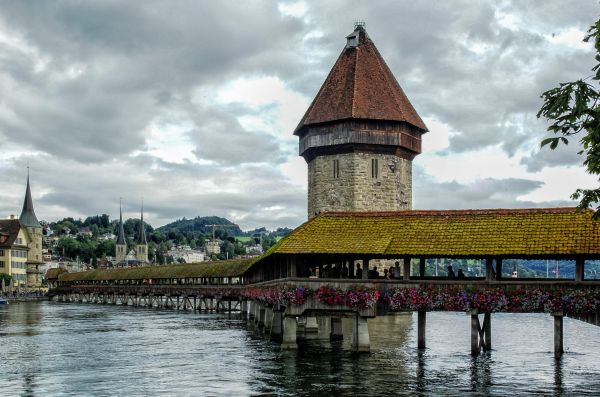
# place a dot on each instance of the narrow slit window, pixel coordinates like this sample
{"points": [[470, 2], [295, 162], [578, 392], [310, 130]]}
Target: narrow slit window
{"points": [[336, 168], [374, 168]]}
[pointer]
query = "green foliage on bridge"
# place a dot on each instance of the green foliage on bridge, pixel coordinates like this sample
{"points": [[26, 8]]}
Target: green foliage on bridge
{"points": [[232, 268]]}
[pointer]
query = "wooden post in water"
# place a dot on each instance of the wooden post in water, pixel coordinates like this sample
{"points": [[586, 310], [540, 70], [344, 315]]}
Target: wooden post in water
{"points": [[475, 348], [558, 335], [487, 331], [421, 323]]}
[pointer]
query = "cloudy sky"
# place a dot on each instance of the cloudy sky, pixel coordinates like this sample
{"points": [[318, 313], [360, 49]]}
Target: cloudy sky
{"points": [[192, 104]]}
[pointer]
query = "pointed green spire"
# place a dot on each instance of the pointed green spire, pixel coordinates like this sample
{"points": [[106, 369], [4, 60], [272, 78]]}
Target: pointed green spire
{"points": [[28, 217], [121, 237], [142, 235]]}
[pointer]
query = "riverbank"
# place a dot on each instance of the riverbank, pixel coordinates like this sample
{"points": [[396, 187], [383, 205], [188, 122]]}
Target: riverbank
{"points": [[25, 299]]}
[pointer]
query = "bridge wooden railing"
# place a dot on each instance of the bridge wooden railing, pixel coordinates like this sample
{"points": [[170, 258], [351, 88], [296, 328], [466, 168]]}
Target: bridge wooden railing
{"points": [[479, 282], [173, 290]]}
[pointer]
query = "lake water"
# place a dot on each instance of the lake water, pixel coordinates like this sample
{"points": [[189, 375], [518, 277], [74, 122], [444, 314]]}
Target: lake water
{"points": [[63, 349]]}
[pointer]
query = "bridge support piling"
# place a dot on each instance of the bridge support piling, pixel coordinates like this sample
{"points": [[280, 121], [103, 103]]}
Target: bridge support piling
{"points": [[276, 325], [289, 334], [336, 329], [268, 320], [256, 312], [311, 328], [421, 326], [558, 335], [361, 341], [487, 331], [481, 336], [244, 308], [475, 348], [261, 317], [323, 328]]}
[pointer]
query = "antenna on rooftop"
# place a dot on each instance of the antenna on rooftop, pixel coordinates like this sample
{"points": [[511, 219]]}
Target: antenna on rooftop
{"points": [[359, 23]]}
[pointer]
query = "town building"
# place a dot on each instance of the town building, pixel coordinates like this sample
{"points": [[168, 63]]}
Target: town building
{"points": [[254, 249], [21, 246], [360, 135], [186, 254], [213, 247]]}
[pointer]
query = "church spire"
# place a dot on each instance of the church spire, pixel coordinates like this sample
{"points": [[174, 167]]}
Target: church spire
{"points": [[142, 235], [28, 217], [121, 237]]}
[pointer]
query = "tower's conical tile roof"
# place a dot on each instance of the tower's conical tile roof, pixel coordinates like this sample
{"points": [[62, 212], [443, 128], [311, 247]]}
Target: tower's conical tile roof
{"points": [[28, 217], [142, 235], [360, 86], [121, 237]]}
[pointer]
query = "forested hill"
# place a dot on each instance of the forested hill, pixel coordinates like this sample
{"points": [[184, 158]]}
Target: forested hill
{"points": [[199, 225]]}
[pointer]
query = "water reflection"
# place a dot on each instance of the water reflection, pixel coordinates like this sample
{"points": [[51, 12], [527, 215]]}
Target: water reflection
{"points": [[481, 374], [558, 377], [69, 349]]}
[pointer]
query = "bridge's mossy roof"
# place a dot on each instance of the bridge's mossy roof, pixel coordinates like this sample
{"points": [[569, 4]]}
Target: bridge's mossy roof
{"points": [[54, 273], [467, 233], [231, 268]]}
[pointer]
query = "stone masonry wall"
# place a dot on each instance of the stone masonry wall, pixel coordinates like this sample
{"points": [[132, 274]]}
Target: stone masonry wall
{"points": [[356, 189]]}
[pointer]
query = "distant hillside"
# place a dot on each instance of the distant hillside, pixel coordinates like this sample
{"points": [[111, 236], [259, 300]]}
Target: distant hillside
{"points": [[199, 225]]}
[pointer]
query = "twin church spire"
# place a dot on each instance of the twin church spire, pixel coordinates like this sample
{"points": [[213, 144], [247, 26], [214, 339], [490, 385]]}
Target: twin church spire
{"points": [[141, 244]]}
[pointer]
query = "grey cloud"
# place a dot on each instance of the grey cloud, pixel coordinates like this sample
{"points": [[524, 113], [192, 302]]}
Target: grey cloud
{"points": [[486, 193], [144, 61], [219, 136], [136, 59], [262, 195], [561, 156]]}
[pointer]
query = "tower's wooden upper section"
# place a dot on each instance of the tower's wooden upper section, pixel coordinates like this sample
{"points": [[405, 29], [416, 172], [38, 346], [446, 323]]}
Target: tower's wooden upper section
{"points": [[360, 106], [360, 86]]}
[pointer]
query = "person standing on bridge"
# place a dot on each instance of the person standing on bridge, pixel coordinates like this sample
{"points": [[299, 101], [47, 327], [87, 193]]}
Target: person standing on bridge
{"points": [[344, 271], [359, 271], [397, 273], [451, 275]]}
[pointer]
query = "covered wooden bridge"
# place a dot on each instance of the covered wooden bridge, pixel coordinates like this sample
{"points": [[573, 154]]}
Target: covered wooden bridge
{"points": [[204, 286], [339, 252]]}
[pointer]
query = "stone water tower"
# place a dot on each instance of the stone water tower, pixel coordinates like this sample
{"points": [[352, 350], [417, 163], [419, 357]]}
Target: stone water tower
{"points": [[359, 135]]}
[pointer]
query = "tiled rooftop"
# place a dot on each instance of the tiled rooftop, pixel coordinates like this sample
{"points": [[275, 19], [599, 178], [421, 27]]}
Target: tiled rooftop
{"points": [[361, 86]]}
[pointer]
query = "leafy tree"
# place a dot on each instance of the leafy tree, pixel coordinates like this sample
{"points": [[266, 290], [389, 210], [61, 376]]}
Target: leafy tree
{"points": [[573, 109], [6, 277]]}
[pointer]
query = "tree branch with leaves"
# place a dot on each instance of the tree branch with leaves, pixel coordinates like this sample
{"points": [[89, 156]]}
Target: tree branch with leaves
{"points": [[573, 108]]}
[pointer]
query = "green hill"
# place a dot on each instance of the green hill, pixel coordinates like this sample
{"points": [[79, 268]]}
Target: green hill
{"points": [[199, 225]]}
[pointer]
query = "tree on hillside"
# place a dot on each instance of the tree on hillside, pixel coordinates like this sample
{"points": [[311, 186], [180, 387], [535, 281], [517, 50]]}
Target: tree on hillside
{"points": [[573, 109]]}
